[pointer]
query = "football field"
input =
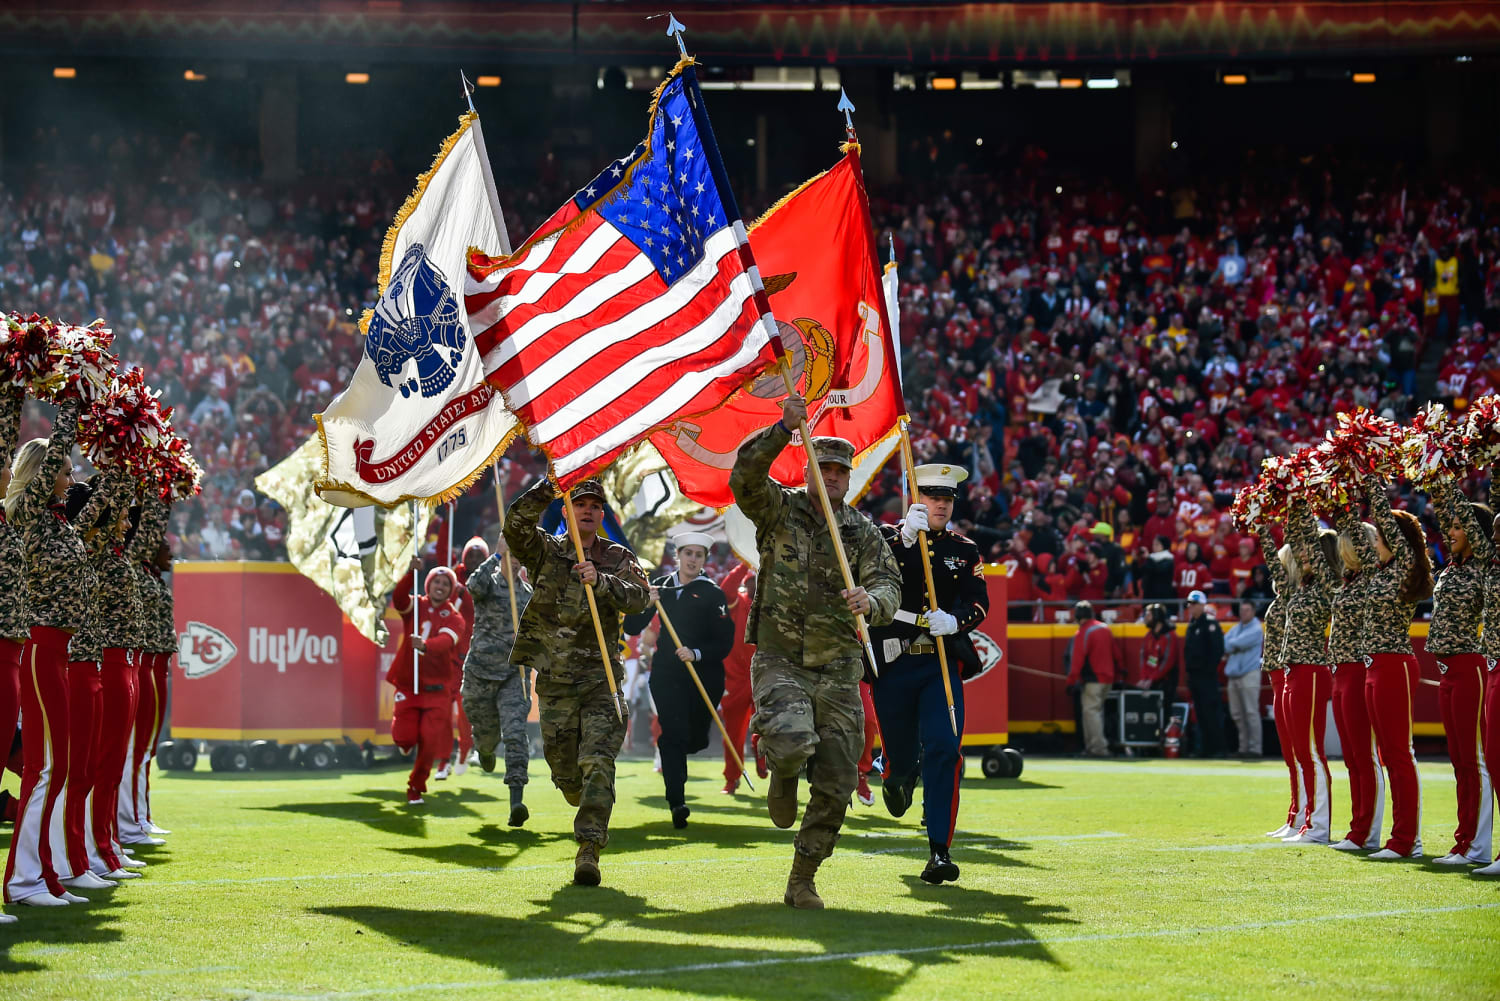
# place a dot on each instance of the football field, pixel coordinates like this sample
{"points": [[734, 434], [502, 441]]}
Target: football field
{"points": [[1127, 879]]}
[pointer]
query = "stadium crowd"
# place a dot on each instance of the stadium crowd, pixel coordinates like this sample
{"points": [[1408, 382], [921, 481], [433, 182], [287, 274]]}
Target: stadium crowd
{"points": [[1112, 366]]}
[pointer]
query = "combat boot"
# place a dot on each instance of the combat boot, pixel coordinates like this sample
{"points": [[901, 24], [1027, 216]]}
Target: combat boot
{"points": [[781, 799], [801, 893], [586, 864]]}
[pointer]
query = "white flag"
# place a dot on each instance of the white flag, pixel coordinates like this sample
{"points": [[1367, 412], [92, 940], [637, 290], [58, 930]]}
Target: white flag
{"points": [[418, 420], [740, 530]]}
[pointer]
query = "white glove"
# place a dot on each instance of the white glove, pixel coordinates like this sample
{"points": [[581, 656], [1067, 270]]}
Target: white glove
{"points": [[940, 623], [916, 521]]}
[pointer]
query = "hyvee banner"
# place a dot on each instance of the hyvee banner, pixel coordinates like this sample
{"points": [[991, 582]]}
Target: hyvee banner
{"points": [[817, 252], [418, 420]]}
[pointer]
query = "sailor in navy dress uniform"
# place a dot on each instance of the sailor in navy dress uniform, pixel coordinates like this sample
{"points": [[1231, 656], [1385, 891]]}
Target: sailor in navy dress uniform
{"points": [[909, 697]]}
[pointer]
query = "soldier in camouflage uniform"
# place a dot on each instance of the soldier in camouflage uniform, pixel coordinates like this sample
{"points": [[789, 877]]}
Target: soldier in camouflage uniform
{"points": [[581, 733], [807, 665], [497, 698]]}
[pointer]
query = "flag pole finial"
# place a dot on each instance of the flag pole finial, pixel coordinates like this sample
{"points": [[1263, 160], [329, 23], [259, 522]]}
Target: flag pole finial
{"points": [[675, 28], [847, 107], [890, 238], [468, 90]]}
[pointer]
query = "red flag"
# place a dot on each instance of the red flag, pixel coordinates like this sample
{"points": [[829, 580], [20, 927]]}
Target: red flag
{"points": [[816, 250]]}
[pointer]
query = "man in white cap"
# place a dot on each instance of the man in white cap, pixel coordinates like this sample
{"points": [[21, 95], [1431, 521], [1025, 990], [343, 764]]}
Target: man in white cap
{"points": [[915, 732], [700, 613]]}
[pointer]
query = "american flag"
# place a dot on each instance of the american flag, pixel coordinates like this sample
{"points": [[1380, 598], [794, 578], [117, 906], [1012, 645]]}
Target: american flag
{"points": [[635, 305]]}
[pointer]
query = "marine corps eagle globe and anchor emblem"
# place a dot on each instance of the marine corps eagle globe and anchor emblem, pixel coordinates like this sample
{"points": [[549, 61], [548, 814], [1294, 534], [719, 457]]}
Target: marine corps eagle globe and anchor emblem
{"points": [[417, 319]]}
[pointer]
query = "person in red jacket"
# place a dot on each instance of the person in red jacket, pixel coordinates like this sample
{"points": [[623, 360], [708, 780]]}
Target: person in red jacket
{"points": [[425, 686], [738, 704], [1161, 654], [1093, 666]]}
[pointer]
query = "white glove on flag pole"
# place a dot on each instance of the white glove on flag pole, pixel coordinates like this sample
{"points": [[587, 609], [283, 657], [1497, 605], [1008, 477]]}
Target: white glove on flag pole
{"points": [[418, 420]]}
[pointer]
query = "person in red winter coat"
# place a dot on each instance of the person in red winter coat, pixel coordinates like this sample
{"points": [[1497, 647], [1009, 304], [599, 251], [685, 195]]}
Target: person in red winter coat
{"points": [[426, 673], [738, 704]]}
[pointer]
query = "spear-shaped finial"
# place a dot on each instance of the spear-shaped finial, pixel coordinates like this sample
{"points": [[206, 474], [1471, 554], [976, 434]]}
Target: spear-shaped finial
{"points": [[891, 239], [468, 89], [847, 107], [675, 28]]}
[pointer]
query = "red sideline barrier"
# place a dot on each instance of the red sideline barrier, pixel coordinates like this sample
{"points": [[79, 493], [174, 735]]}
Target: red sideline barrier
{"points": [[987, 695], [1042, 705], [263, 653]]}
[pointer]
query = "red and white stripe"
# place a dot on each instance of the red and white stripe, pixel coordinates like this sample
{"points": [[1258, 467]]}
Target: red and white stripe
{"points": [[594, 350]]}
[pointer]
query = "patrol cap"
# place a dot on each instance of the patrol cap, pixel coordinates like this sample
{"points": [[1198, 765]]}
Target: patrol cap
{"points": [[590, 488], [694, 539], [939, 479], [836, 450]]}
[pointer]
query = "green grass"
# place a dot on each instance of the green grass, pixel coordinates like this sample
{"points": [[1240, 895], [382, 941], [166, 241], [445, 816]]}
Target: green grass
{"points": [[1146, 880]]}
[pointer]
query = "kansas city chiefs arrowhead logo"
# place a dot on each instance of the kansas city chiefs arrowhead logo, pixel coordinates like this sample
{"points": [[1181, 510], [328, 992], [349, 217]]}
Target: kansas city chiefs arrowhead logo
{"points": [[989, 654], [202, 650]]}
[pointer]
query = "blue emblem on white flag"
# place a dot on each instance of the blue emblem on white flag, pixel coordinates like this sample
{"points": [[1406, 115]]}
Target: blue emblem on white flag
{"points": [[417, 319]]}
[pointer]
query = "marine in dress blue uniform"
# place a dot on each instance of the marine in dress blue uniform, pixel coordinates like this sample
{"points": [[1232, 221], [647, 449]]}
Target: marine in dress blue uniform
{"points": [[909, 697]]}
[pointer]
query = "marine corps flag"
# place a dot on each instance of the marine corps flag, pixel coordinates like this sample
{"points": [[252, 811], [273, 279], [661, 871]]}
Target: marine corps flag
{"points": [[817, 252], [418, 420]]}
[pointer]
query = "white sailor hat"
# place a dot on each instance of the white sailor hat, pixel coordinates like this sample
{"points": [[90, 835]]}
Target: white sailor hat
{"points": [[938, 479], [694, 539]]}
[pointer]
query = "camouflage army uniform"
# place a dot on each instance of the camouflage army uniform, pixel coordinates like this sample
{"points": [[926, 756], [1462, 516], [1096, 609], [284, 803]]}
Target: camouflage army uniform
{"points": [[14, 623], [581, 733], [59, 578], [497, 698], [807, 665]]}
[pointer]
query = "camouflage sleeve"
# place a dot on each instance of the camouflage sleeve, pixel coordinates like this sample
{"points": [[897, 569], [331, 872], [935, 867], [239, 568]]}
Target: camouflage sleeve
{"points": [[59, 456], [111, 489], [1349, 524], [1495, 489], [625, 585], [11, 399], [761, 498], [522, 533], [1302, 533], [879, 575], [1273, 559], [523, 594], [1385, 523], [152, 527], [482, 580]]}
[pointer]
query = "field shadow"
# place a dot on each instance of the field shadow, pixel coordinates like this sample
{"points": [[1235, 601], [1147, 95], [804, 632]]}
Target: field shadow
{"points": [[386, 810], [58, 927], [487, 851], [1005, 785], [609, 937]]}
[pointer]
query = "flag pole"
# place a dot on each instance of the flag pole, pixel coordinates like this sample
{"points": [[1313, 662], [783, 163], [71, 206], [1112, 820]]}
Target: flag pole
{"points": [[588, 589], [416, 596], [932, 599], [763, 306], [692, 673], [506, 568]]}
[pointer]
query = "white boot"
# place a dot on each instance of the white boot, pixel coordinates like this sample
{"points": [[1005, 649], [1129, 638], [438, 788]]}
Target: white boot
{"points": [[1452, 858], [123, 874], [88, 881], [8, 919], [44, 899], [1281, 832], [1493, 869], [1348, 846]]}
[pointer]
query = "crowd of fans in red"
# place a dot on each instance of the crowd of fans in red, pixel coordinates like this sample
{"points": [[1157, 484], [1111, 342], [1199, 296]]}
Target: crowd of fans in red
{"points": [[1110, 366]]}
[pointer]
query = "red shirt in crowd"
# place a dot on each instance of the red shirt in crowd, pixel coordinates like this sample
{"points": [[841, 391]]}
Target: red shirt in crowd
{"points": [[1192, 577]]}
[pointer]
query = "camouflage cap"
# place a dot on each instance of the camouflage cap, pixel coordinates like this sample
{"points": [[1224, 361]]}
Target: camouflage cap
{"points": [[837, 450], [589, 488]]}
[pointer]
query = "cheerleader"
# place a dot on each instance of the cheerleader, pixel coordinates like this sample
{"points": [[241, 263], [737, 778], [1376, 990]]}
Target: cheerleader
{"points": [[1457, 612], [150, 558], [1309, 684], [1348, 644], [1492, 657], [1272, 663], [58, 584], [90, 507], [13, 622], [118, 614], [699, 612], [1401, 579]]}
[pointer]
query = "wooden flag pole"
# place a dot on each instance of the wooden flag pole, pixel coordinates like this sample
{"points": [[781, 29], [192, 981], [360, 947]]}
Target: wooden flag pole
{"points": [[723, 732], [508, 570], [588, 589], [828, 515], [932, 600]]}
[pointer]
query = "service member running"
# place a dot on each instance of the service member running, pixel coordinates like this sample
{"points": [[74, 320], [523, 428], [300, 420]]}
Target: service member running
{"points": [[807, 665], [581, 734]]}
